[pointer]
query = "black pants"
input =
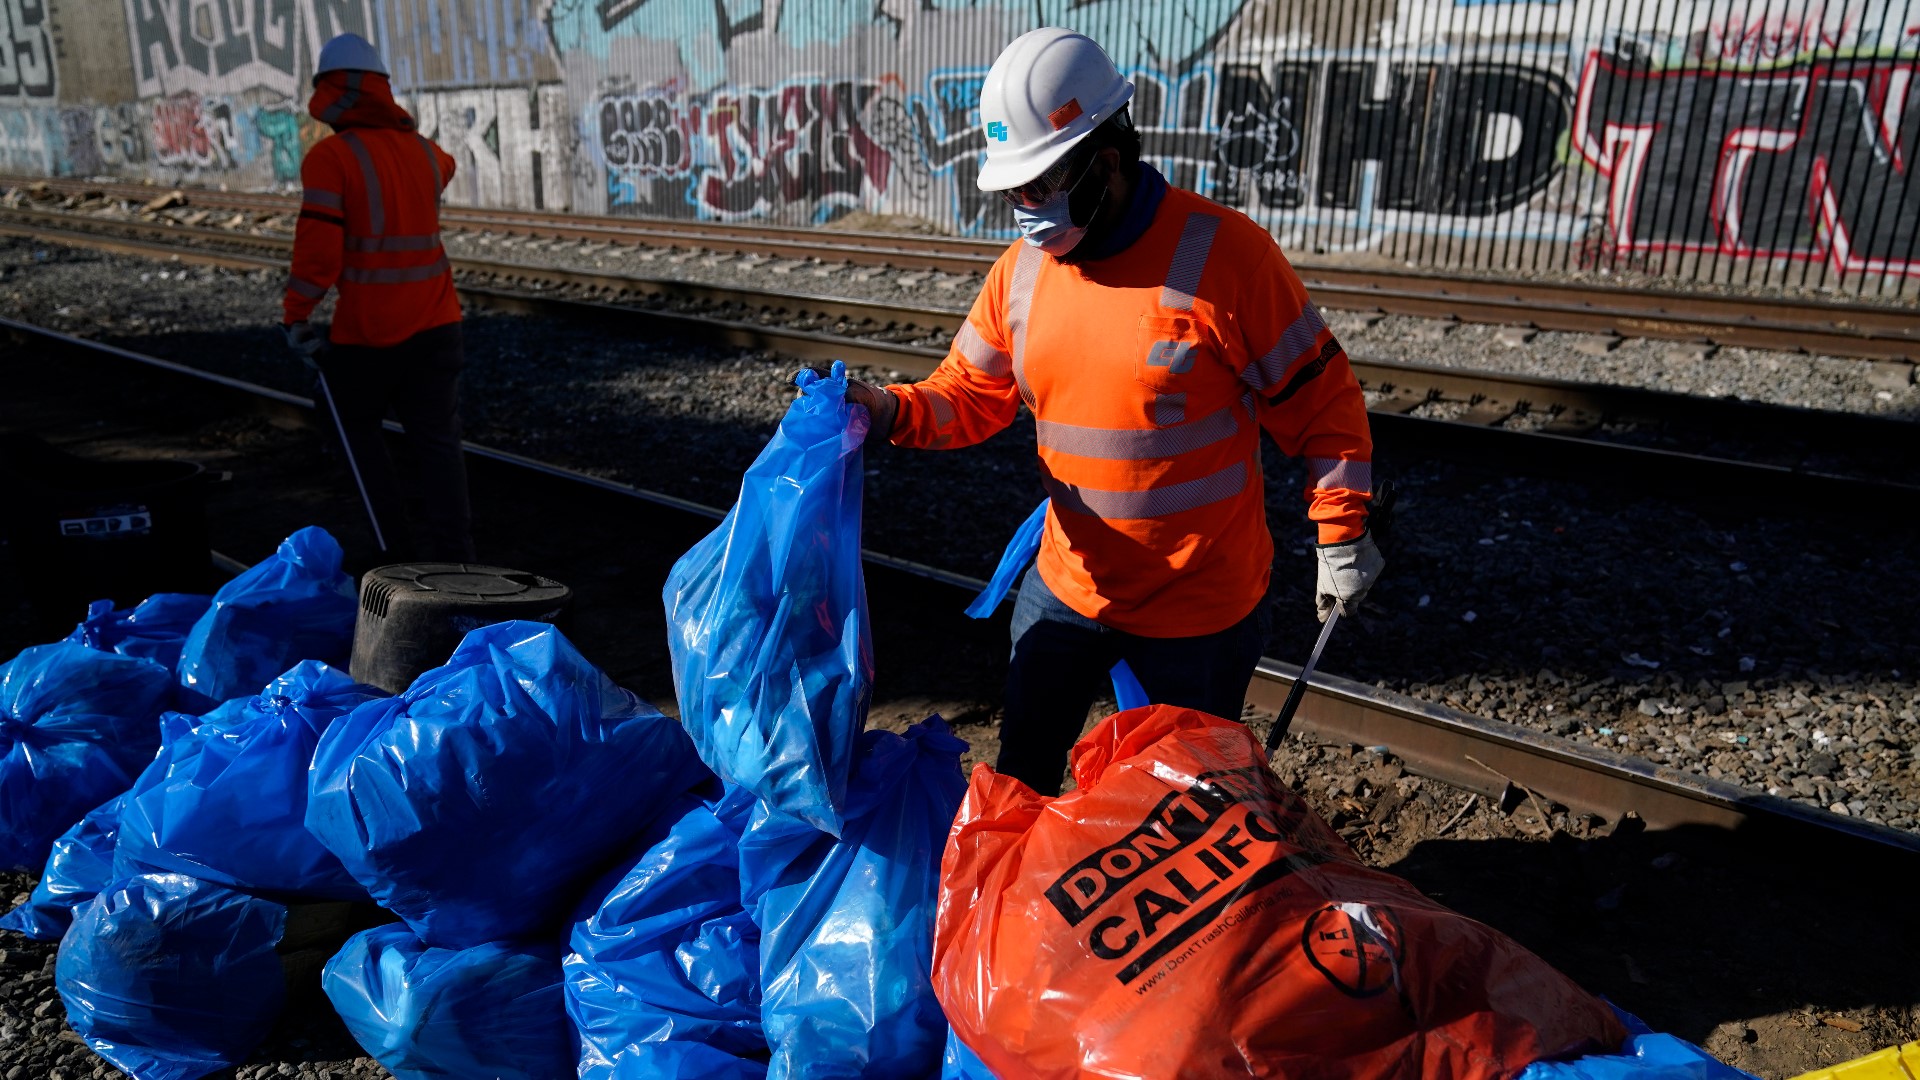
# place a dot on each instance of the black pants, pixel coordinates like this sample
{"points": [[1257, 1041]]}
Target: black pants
{"points": [[419, 380], [1061, 661]]}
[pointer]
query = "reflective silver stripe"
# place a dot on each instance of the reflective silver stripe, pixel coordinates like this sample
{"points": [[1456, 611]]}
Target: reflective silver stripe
{"points": [[942, 408], [1026, 271], [344, 102], [1136, 444], [1340, 473], [376, 208], [305, 288], [1293, 343], [429, 242], [396, 276], [1169, 408], [433, 162], [989, 360], [318, 197], [1153, 502], [1189, 262]]}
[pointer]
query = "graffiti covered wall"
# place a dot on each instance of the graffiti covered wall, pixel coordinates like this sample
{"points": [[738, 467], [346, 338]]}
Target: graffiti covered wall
{"points": [[1747, 140]]}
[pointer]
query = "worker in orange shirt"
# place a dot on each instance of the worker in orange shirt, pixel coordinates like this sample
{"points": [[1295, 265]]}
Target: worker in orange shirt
{"points": [[370, 226], [1153, 334]]}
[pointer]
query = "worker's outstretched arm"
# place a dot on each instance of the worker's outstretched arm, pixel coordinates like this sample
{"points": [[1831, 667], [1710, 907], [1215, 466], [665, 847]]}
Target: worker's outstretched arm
{"points": [[971, 397], [1309, 400], [319, 239]]}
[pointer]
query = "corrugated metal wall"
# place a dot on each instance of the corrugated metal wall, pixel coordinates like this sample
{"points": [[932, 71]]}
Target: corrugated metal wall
{"points": [[1749, 142]]}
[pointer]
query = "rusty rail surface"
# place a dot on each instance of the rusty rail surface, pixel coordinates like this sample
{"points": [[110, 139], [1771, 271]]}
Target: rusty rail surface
{"points": [[1744, 450]]}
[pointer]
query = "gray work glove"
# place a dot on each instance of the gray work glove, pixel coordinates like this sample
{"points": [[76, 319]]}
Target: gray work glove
{"points": [[1347, 571], [305, 342], [882, 408]]}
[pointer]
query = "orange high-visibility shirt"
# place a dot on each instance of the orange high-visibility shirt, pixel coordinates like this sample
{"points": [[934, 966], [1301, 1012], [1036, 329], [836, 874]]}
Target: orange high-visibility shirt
{"points": [[1150, 374], [370, 223]]}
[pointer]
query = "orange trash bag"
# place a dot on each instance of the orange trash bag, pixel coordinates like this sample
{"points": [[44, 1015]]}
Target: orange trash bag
{"points": [[1184, 915]]}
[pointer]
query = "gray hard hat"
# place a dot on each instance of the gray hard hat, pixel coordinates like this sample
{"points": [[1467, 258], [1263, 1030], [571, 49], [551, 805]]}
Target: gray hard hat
{"points": [[349, 52]]}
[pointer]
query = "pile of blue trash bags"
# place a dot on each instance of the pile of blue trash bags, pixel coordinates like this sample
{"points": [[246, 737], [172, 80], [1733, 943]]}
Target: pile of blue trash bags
{"points": [[573, 884]]}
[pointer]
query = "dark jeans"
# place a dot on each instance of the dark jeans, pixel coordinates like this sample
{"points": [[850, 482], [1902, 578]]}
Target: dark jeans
{"points": [[1061, 661], [419, 380]]}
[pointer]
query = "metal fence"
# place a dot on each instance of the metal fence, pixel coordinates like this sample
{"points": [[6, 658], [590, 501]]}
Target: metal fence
{"points": [[1758, 142], [1765, 143]]}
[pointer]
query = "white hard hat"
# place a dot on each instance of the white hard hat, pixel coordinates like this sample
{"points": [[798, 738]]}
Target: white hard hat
{"points": [[348, 52], [1046, 91]]}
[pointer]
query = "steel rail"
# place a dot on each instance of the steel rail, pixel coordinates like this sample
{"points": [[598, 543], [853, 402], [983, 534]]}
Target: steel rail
{"points": [[1481, 755], [860, 332], [1883, 332]]}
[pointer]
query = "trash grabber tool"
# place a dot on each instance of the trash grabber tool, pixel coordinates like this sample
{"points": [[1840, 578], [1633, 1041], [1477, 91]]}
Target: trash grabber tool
{"points": [[353, 463], [1285, 719], [1379, 521]]}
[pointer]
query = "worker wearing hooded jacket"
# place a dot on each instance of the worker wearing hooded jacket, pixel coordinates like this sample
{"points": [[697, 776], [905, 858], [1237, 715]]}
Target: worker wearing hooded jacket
{"points": [[1153, 334], [370, 226]]}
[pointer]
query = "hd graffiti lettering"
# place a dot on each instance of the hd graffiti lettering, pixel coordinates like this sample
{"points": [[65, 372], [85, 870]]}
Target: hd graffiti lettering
{"points": [[1810, 162], [26, 50], [1466, 139], [1199, 853], [801, 143], [230, 46], [190, 132]]}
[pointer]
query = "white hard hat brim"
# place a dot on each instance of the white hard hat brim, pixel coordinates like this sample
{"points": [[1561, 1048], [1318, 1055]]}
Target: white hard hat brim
{"points": [[1005, 173]]}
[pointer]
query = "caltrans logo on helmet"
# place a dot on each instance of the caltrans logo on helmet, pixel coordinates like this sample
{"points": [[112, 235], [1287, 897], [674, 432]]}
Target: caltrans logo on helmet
{"points": [[997, 130]]}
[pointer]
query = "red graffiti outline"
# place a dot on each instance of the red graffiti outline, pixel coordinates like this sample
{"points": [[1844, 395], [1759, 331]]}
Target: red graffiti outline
{"points": [[1621, 151]]}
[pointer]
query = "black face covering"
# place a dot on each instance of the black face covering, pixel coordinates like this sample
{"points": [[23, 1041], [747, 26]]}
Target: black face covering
{"points": [[1084, 204]]}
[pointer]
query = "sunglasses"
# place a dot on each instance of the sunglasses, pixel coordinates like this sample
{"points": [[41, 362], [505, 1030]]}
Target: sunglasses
{"points": [[1037, 191]]}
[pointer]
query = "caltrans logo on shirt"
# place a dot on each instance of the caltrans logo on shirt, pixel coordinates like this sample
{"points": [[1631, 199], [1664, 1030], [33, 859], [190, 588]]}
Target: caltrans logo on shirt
{"points": [[997, 130]]}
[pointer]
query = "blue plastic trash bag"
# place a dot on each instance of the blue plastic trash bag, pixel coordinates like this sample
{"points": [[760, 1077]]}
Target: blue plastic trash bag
{"points": [[478, 804], [227, 800], [846, 926], [76, 726], [79, 866], [1646, 1056], [294, 605], [1127, 691], [767, 616], [493, 1011], [959, 1062], [663, 969], [170, 978], [1014, 561], [155, 629]]}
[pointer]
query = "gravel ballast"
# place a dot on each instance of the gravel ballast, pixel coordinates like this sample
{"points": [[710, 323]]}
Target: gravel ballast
{"points": [[1782, 378], [1775, 652], [1589, 583]]}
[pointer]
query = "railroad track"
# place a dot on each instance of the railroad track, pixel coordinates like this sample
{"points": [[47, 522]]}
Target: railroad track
{"points": [[1499, 761], [1785, 456], [1829, 328]]}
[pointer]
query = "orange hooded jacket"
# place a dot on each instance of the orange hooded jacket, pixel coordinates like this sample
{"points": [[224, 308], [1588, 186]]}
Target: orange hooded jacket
{"points": [[370, 218], [1150, 375]]}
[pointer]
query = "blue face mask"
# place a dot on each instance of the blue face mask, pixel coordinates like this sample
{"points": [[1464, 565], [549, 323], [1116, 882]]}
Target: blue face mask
{"points": [[1052, 226]]}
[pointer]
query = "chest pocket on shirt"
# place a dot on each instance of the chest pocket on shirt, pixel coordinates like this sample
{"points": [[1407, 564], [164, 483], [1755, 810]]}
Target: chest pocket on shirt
{"points": [[1167, 349]]}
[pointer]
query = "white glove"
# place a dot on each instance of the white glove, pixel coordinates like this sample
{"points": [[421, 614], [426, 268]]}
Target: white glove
{"points": [[305, 343], [1347, 571]]}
